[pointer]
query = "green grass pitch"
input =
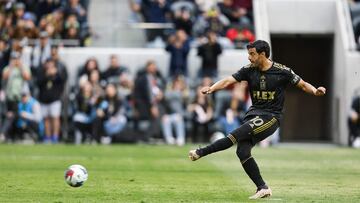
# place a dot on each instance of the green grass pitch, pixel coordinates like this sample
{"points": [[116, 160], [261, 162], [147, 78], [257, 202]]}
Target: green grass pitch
{"points": [[143, 173]]}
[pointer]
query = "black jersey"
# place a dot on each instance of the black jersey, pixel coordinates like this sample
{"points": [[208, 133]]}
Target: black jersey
{"points": [[267, 88]]}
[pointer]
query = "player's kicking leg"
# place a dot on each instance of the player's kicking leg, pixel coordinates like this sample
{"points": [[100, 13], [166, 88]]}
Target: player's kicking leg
{"points": [[219, 145]]}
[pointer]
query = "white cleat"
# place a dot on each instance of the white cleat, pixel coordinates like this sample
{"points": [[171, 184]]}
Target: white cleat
{"points": [[262, 193], [193, 156]]}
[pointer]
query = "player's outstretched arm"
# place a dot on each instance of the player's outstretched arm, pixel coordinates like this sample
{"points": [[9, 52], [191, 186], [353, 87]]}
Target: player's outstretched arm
{"points": [[308, 88], [221, 84]]}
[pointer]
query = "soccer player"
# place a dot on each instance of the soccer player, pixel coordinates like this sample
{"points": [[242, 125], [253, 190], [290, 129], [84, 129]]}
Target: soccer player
{"points": [[267, 81]]}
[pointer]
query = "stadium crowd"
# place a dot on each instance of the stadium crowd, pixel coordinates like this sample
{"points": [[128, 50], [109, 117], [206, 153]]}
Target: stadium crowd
{"points": [[112, 105], [65, 21], [115, 104], [230, 20]]}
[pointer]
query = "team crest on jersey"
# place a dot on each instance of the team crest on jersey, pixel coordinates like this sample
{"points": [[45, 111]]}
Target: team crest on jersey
{"points": [[262, 82]]}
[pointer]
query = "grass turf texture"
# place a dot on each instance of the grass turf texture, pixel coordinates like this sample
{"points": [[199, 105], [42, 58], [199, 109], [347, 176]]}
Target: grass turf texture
{"points": [[142, 173]]}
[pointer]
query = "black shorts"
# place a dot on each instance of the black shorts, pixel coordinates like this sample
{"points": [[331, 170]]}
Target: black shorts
{"points": [[256, 128]]}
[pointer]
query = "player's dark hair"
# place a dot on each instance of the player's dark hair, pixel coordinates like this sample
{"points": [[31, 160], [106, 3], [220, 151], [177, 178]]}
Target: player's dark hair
{"points": [[260, 46]]}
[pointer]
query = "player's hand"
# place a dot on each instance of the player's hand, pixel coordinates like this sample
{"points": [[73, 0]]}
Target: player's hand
{"points": [[205, 90], [320, 91]]}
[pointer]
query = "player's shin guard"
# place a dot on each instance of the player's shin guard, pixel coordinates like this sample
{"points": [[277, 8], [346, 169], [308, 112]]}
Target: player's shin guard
{"points": [[218, 145], [252, 169]]}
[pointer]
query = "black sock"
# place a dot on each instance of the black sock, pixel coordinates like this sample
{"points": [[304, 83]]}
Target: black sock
{"points": [[219, 145], [252, 169]]}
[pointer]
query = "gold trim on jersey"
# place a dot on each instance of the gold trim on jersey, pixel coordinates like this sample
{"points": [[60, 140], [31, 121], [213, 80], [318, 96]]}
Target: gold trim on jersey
{"points": [[265, 126], [232, 138], [281, 66]]}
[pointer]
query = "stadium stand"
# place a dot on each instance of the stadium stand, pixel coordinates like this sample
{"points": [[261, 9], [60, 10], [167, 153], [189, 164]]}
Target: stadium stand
{"points": [[193, 38]]}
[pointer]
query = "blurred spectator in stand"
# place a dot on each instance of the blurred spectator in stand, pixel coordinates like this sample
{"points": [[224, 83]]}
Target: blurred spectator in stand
{"points": [[244, 7], [115, 69], [354, 122], [57, 21], [45, 7], [25, 28], [28, 116], [209, 52], [19, 30], [178, 47], [51, 30], [176, 97], [6, 28], [205, 5], [149, 84], [4, 57], [202, 115], [355, 15], [74, 7], [51, 82], [110, 116], [58, 63], [135, 6], [233, 109], [97, 86], [85, 4], [182, 20], [72, 28], [31, 31], [155, 11], [357, 34], [26, 120], [235, 13], [84, 72], [14, 76], [19, 11], [41, 52], [30, 5], [125, 86], [211, 20], [85, 114]]}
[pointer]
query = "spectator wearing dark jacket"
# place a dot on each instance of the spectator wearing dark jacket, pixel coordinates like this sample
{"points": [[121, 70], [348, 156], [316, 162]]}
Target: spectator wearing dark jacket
{"points": [[149, 86], [84, 114], [354, 122], [41, 52], [110, 116], [202, 116], [51, 83], [182, 21], [235, 13], [58, 63], [178, 47], [209, 53], [74, 7], [4, 57], [155, 11], [115, 69]]}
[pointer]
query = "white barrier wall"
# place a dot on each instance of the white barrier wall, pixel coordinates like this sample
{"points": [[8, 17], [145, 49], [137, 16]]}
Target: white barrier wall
{"points": [[229, 62]]}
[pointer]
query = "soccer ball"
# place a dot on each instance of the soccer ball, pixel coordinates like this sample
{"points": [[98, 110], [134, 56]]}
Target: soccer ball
{"points": [[76, 175]]}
